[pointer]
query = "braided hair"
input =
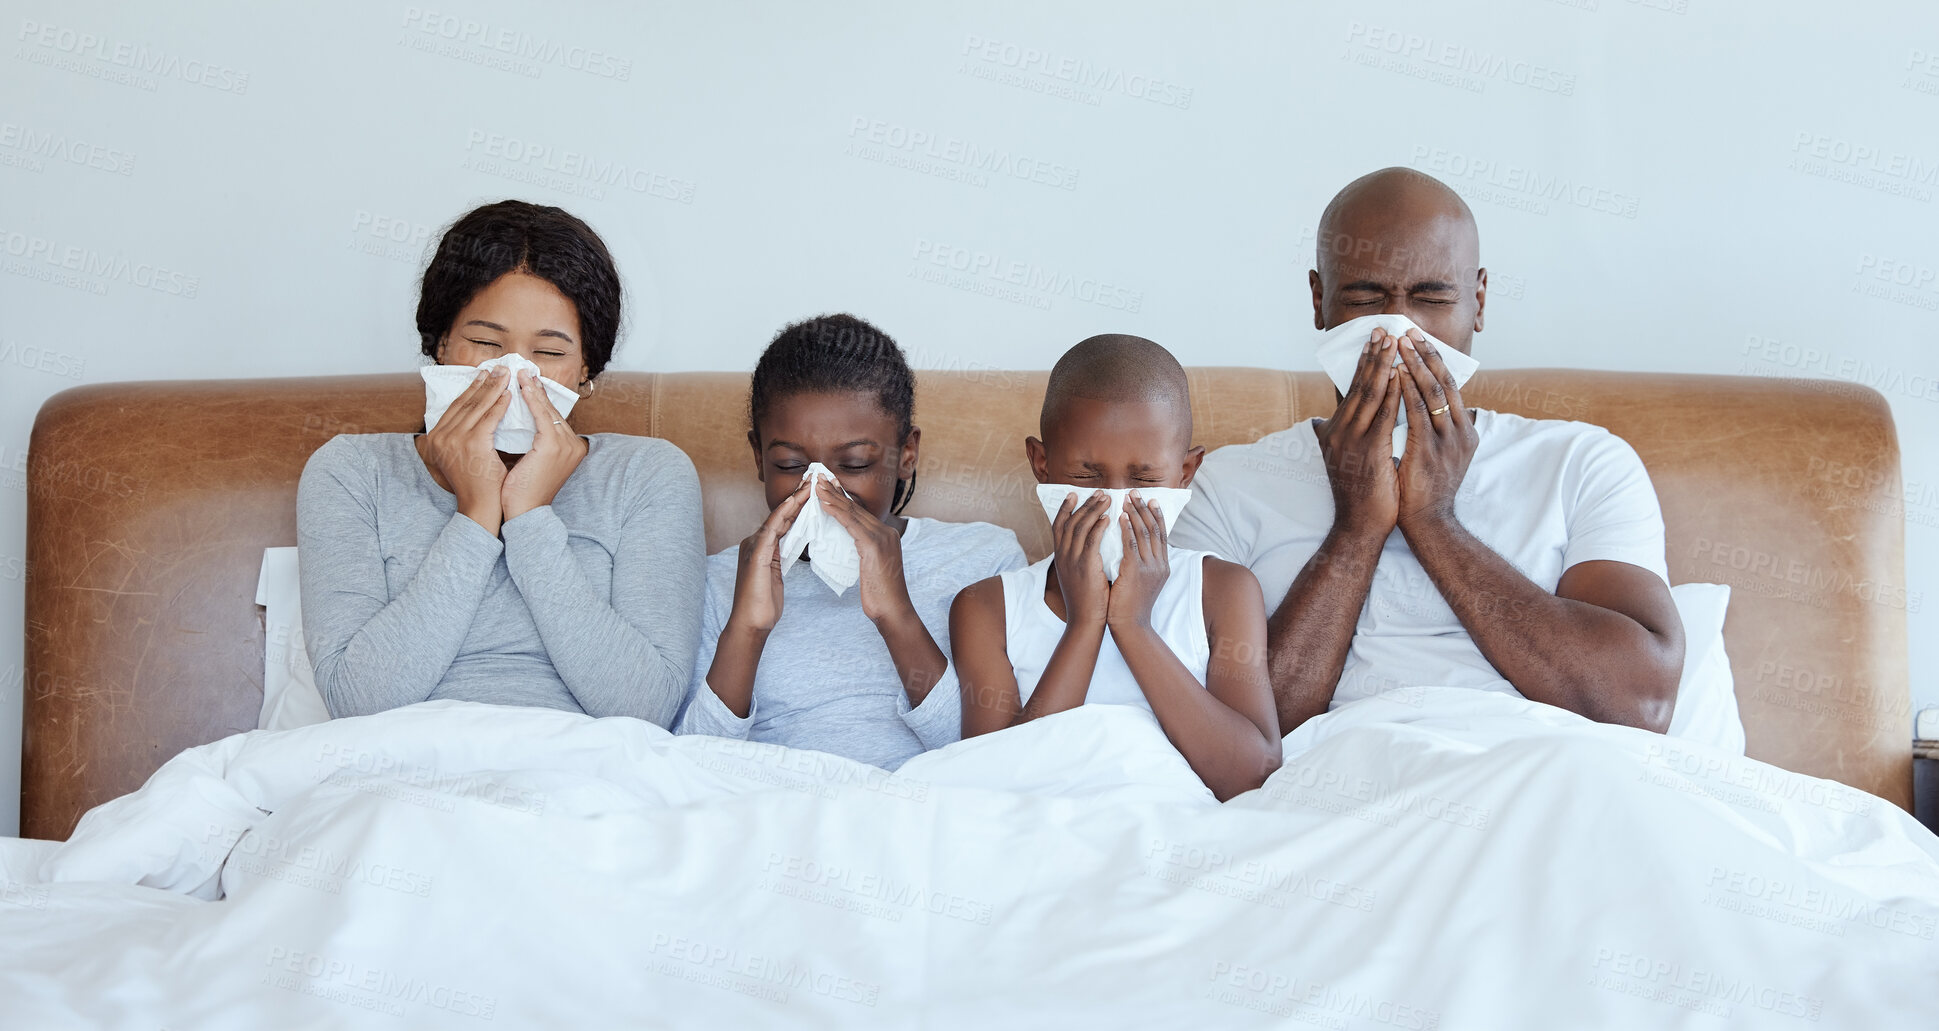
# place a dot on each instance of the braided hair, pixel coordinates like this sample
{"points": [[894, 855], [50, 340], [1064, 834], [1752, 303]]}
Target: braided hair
{"points": [[830, 353]]}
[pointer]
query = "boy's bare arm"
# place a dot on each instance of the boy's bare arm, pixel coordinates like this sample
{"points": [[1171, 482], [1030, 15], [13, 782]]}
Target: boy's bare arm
{"points": [[1227, 728], [989, 685], [1076, 577]]}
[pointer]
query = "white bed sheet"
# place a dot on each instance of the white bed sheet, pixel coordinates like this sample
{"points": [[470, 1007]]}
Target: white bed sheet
{"points": [[1428, 859]]}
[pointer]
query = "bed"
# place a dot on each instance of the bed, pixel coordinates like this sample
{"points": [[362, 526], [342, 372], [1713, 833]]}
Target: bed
{"points": [[1002, 895]]}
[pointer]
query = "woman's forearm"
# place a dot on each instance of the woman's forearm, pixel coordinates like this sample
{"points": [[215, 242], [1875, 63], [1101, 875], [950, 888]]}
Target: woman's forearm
{"points": [[612, 665], [371, 654]]}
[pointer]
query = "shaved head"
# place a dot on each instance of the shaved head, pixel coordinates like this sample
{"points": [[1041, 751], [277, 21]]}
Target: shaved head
{"points": [[1117, 413], [1117, 367], [1401, 241]]}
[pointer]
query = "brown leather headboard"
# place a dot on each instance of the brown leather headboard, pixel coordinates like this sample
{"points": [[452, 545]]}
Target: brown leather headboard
{"points": [[150, 504]]}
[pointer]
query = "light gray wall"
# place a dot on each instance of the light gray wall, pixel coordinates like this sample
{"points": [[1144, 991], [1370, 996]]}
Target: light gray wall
{"points": [[246, 189]]}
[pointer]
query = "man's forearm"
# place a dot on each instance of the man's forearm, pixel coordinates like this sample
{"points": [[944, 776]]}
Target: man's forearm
{"points": [[1309, 635], [1572, 654]]}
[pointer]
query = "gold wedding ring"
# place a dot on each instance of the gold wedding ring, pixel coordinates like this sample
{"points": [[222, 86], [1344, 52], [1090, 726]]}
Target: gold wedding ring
{"points": [[1440, 411]]}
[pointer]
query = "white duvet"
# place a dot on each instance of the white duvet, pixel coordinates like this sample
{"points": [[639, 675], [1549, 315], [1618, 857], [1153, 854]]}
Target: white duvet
{"points": [[1431, 859]]}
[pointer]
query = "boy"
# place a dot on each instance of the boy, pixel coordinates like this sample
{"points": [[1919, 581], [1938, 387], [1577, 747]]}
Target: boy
{"points": [[1181, 633]]}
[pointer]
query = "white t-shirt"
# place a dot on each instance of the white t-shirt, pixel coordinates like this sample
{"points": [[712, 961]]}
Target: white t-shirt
{"points": [[1543, 494]]}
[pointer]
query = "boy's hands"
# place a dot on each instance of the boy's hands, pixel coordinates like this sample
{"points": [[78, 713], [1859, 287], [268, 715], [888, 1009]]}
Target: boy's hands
{"points": [[1090, 600], [757, 584], [1146, 565], [1075, 535]]}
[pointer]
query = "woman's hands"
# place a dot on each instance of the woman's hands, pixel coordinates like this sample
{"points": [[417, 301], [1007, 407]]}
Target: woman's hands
{"points": [[1075, 535], [556, 452], [757, 584], [460, 454], [1145, 568]]}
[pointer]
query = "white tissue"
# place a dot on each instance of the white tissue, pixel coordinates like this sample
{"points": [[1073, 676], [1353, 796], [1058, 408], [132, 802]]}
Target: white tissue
{"points": [[835, 559], [1340, 350], [444, 383], [1110, 547]]}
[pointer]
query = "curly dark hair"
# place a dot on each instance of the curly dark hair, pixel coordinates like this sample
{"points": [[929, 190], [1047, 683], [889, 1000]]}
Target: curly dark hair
{"points": [[838, 353], [514, 236]]}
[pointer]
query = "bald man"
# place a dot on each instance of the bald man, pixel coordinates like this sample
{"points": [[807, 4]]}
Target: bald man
{"points": [[1499, 553]]}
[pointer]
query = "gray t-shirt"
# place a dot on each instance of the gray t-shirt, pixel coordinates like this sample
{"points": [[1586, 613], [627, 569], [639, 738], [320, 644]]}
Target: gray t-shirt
{"points": [[826, 680], [589, 604]]}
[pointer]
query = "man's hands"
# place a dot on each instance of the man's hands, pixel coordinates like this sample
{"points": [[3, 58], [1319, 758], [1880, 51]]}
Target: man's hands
{"points": [[1439, 446], [1370, 496], [459, 450], [556, 451], [1357, 445]]}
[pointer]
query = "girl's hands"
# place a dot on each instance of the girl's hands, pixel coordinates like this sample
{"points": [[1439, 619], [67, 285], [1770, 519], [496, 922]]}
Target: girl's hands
{"points": [[556, 452], [460, 454], [1146, 564], [757, 584], [1075, 535], [885, 592]]}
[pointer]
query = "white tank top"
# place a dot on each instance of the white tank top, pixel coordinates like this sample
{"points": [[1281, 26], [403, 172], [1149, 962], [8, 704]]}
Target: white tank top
{"points": [[1031, 631]]}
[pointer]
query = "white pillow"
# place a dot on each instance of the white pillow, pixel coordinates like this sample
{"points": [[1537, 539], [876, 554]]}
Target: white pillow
{"points": [[290, 697], [1706, 697]]}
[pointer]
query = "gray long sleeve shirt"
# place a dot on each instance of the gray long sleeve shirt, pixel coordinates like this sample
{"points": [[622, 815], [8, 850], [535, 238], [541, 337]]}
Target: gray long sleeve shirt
{"points": [[826, 680], [589, 604]]}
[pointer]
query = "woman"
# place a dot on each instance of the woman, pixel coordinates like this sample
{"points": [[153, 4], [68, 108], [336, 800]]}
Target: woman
{"points": [[435, 566]]}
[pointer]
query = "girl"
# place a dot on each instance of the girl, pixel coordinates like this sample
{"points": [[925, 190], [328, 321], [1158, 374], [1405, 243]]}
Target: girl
{"points": [[785, 659], [435, 566]]}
